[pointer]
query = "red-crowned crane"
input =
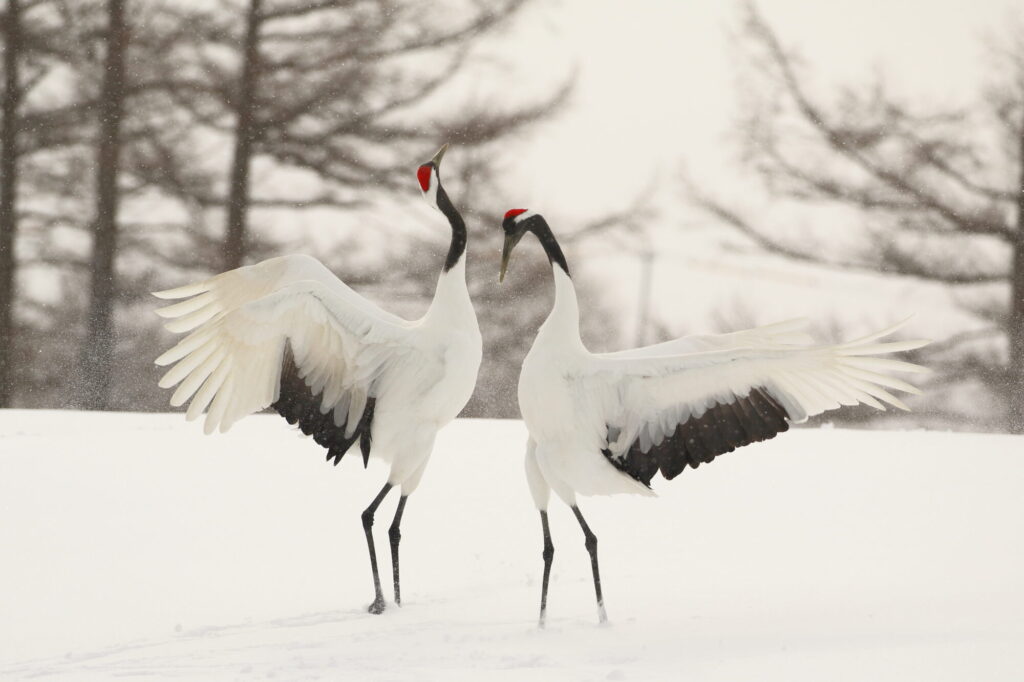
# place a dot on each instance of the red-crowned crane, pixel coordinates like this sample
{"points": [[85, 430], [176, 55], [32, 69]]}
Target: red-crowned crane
{"points": [[601, 424], [286, 333]]}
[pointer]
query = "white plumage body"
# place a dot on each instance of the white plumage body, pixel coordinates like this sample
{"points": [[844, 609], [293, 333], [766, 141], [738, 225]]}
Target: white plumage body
{"points": [[577, 404], [420, 373], [601, 424], [286, 333], [565, 439]]}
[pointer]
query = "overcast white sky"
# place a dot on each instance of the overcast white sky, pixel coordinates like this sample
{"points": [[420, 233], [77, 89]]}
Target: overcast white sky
{"points": [[657, 77], [657, 87]]}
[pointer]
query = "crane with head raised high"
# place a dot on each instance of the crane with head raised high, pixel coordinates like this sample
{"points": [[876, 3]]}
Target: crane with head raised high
{"points": [[286, 333]]}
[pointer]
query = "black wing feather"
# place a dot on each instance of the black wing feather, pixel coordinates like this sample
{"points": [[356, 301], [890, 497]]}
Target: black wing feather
{"points": [[297, 404], [698, 440]]}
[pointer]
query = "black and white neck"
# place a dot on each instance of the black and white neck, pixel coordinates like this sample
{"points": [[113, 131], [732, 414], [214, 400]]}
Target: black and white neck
{"points": [[457, 249], [451, 305], [563, 322], [529, 221], [429, 177], [562, 326]]}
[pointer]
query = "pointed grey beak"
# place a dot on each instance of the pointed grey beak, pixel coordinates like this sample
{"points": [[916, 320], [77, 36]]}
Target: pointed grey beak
{"points": [[506, 252], [439, 155]]}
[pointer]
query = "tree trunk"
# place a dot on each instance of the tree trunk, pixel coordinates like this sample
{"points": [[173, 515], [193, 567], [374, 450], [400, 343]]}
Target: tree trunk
{"points": [[1015, 373], [1015, 331], [1015, 399], [246, 131], [8, 187], [97, 356]]}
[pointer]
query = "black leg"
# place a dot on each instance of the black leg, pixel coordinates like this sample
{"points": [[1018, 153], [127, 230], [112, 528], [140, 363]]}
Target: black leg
{"points": [[549, 555], [378, 603], [396, 536], [591, 544]]}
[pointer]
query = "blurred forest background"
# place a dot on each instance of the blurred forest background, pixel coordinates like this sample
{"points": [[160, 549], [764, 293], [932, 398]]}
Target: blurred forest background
{"points": [[149, 143]]}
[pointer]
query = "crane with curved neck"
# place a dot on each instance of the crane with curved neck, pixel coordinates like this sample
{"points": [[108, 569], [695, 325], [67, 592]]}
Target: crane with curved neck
{"points": [[288, 334]]}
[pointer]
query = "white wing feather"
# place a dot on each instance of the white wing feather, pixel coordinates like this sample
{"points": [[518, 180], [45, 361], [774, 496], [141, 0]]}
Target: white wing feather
{"points": [[230, 363], [647, 393]]}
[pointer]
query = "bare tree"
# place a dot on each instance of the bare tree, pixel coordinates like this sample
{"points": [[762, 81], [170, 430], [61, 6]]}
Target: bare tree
{"points": [[98, 163], [334, 90], [35, 124], [8, 190], [941, 193], [245, 135], [98, 352], [343, 98]]}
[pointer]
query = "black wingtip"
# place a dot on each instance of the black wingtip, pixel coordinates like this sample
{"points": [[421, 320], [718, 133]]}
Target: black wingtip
{"points": [[366, 436]]}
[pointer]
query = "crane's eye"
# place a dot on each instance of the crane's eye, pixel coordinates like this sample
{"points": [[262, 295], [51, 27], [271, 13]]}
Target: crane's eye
{"points": [[423, 175]]}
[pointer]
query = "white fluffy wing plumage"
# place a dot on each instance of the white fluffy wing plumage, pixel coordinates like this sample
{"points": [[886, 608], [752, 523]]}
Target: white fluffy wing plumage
{"points": [[240, 322], [644, 395]]}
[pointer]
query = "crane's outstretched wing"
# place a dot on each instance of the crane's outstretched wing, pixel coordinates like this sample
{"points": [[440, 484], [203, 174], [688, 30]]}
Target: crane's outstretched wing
{"points": [[263, 333], [667, 412]]}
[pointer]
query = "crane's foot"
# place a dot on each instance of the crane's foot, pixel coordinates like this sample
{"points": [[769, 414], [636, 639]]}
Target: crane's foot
{"points": [[377, 607], [602, 615]]}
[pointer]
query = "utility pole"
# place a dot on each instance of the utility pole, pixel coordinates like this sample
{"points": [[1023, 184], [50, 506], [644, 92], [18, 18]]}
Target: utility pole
{"points": [[644, 304]]}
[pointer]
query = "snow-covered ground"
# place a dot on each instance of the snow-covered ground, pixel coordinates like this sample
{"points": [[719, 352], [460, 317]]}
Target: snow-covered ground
{"points": [[131, 545]]}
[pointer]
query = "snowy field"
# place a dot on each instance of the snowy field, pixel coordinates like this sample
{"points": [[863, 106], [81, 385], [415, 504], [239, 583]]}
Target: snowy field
{"points": [[133, 546]]}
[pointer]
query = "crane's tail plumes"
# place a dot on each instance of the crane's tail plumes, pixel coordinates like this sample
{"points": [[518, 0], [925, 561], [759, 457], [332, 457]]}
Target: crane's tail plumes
{"points": [[848, 374]]}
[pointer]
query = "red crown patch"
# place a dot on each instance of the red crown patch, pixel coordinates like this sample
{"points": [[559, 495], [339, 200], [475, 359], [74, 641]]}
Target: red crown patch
{"points": [[423, 175]]}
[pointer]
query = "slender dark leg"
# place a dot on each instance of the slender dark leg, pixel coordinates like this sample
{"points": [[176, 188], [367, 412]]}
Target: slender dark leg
{"points": [[396, 536], [549, 555], [378, 603], [591, 545]]}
